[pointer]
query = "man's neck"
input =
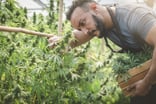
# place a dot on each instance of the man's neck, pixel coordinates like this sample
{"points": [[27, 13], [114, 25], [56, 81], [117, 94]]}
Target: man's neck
{"points": [[108, 19]]}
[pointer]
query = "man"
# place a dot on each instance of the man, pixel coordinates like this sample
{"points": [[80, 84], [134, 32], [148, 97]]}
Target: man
{"points": [[128, 26]]}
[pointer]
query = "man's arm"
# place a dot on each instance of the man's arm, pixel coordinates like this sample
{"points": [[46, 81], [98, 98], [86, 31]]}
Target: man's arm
{"points": [[80, 38], [151, 39], [143, 86]]}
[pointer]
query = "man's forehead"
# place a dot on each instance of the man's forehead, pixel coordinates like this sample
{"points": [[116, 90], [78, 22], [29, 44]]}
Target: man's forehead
{"points": [[75, 17], [77, 11]]}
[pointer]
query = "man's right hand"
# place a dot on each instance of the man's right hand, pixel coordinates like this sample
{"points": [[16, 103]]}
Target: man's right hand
{"points": [[53, 41]]}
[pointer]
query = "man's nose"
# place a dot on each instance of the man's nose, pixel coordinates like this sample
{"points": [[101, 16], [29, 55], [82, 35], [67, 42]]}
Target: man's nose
{"points": [[84, 30]]}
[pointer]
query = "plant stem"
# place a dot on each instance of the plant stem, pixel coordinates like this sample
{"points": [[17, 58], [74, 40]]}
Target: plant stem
{"points": [[15, 29]]}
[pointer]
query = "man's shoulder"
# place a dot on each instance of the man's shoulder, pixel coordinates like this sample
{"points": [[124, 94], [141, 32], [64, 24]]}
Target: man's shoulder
{"points": [[126, 10], [131, 7]]}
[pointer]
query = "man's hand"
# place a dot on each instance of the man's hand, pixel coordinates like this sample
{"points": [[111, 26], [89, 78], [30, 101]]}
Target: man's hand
{"points": [[141, 88], [53, 41]]}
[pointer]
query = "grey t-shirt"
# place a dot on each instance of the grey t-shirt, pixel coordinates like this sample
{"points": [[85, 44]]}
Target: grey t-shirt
{"points": [[134, 22]]}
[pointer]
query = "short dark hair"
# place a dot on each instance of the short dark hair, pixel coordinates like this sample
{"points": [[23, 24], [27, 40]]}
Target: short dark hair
{"points": [[78, 3]]}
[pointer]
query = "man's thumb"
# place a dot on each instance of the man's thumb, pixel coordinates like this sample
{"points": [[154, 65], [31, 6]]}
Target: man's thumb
{"points": [[131, 87]]}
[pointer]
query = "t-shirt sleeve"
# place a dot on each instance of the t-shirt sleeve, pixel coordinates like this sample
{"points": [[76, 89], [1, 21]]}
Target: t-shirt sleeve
{"points": [[141, 21]]}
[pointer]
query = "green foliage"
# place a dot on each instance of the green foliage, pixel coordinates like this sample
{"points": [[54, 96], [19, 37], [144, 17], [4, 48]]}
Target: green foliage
{"points": [[9, 11], [121, 63]]}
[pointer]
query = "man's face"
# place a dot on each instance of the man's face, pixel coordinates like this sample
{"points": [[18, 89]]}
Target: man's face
{"points": [[87, 22]]}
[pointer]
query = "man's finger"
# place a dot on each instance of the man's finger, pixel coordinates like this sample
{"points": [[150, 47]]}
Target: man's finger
{"points": [[133, 93], [53, 39], [131, 87], [52, 45]]}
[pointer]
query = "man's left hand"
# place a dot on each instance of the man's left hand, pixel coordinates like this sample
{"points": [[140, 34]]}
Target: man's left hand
{"points": [[141, 88]]}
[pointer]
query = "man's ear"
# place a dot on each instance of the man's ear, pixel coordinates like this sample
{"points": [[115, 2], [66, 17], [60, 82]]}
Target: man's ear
{"points": [[93, 6]]}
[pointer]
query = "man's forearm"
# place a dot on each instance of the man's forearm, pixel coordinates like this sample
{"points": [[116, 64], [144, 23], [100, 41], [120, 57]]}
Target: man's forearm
{"points": [[151, 75]]}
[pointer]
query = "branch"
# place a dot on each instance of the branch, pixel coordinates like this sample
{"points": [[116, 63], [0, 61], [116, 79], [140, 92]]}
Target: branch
{"points": [[60, 17], [15, 29]]}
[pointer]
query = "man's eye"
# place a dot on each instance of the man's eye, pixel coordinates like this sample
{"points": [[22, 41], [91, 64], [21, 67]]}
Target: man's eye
{"points": [[79, 29], [82, 23]]}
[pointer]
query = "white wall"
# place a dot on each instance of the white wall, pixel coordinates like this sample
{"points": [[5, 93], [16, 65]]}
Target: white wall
{"points": [[32, 6]]}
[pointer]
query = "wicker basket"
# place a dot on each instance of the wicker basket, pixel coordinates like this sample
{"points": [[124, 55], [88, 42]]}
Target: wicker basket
{"points": [[136, 73]]}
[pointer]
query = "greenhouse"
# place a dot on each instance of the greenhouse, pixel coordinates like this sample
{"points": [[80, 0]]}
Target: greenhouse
{"points": [[49, 54]]}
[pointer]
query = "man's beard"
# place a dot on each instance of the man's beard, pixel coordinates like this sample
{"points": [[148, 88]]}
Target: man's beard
{"points": [[99, 27]]}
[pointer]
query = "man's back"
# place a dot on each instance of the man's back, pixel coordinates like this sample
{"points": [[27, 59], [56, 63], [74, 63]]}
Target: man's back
{"points": [[134, 22]]}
